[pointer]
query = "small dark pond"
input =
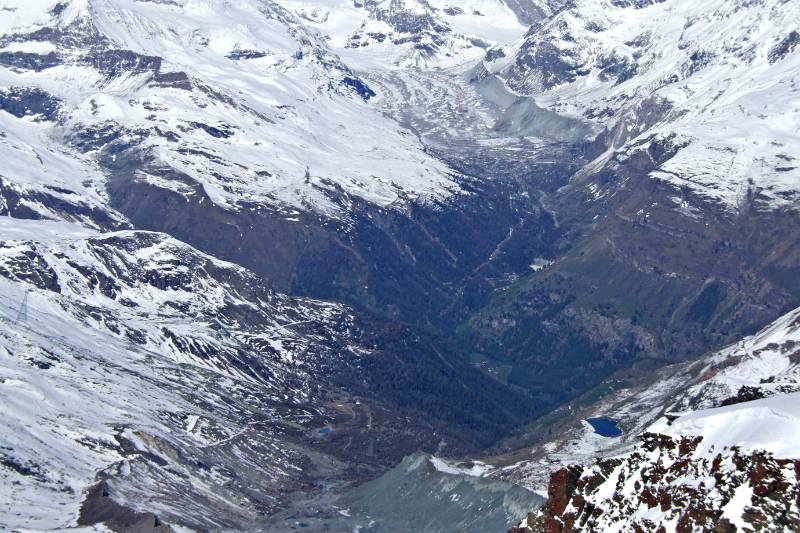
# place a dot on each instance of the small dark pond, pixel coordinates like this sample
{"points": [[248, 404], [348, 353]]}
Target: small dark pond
{"points": [[605, 427], [324, 432]]}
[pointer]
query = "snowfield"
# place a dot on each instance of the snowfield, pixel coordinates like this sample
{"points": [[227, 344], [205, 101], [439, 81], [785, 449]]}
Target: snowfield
{"points": [[771, 424]]}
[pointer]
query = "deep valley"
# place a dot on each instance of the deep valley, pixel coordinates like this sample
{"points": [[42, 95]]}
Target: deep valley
{"points": [[390, 265]]}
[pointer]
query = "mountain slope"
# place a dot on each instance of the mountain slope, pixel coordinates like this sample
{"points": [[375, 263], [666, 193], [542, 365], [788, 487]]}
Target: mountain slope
{"points": [[675, 234], [113, 370], [247, 103], [143, 380], [753, 368], [133, 361], [704, 93]]}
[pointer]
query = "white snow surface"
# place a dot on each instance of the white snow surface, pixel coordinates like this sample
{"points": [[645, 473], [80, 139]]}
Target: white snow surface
{"points": [[771, 424], [35, 163], [715, 68], [294, 134]]}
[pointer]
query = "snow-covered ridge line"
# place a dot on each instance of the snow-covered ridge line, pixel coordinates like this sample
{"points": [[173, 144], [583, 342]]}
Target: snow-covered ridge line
{"points": [[770, 425], [410, 33], [764, 364]]}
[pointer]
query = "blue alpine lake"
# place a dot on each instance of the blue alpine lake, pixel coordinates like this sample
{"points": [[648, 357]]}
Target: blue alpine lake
{"points": [[605, 427]]}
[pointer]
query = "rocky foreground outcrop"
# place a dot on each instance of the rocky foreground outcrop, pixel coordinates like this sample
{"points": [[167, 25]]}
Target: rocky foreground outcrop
{"points": [[663, 485], [717, 460]]}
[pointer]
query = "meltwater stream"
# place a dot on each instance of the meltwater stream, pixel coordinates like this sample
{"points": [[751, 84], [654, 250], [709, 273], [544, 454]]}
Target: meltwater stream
{"points": [[413, 497]]}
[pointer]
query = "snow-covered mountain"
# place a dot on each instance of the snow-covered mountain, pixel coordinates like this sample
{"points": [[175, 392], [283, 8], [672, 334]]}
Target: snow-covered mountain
{"points": [[253, 253], [715, 443], [132, 360], [700, 95], [421, 33], [242, 99]]}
